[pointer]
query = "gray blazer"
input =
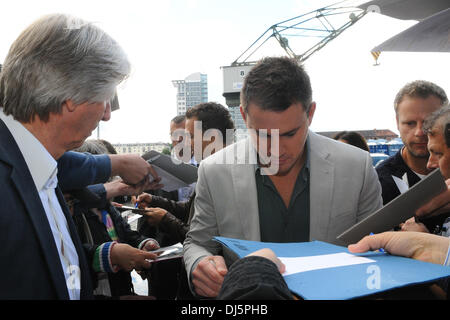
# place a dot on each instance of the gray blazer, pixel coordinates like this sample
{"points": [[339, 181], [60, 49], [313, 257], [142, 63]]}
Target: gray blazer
{"points": [[344, 189]]}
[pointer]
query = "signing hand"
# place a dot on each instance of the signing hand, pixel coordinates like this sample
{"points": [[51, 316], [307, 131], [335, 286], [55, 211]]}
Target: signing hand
{"points": [[144, 200], [208, 276]]}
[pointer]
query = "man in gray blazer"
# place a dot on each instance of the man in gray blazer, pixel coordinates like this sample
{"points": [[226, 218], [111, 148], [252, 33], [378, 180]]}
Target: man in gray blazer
{"points": [[282, 184]]}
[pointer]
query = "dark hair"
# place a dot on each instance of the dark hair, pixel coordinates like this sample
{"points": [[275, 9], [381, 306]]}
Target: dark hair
{"points": [[422, 89], [178, 119], [353, 138], [275, 84], [212, 115]]}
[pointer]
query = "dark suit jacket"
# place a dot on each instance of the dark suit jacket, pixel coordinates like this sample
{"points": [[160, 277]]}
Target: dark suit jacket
{"points": [[30, 267]]}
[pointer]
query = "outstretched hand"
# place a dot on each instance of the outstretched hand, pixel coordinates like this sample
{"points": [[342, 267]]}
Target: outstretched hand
{"points": [[416, 245]]}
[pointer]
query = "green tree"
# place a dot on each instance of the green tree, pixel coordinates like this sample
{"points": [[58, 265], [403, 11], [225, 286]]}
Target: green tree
{"points": [[166, 150]]}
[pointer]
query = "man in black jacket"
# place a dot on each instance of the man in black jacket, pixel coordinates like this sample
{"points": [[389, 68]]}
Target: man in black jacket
{"points": [[413, 104]]}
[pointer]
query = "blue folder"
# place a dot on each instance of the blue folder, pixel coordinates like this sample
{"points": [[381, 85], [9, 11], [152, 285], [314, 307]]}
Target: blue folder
{"points": [[346, 282]]}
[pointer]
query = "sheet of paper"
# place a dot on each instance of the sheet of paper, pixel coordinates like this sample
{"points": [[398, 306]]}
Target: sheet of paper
{"points": [[302, 264], [176, 248], [171, 252], [133, 218]]}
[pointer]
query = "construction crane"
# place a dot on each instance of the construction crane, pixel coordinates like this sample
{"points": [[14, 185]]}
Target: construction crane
{"points": [[320, 24]]}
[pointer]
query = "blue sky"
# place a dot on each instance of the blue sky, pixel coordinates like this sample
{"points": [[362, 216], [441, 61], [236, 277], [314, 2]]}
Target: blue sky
{"points": [[168, 40]]}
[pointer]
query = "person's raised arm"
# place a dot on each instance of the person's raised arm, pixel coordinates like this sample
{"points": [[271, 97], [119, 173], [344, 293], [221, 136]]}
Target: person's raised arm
{"points": [[77, 170]]}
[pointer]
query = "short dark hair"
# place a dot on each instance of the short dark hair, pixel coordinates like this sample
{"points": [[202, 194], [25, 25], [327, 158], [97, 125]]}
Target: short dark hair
{"points": [[275, 83], [212, 115], [178, 119], [420, 89], [354, 138]]}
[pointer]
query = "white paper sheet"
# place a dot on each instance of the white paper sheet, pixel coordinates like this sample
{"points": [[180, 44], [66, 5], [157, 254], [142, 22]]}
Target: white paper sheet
{"points": [[302, 264], [171, 252], [133, 218]]}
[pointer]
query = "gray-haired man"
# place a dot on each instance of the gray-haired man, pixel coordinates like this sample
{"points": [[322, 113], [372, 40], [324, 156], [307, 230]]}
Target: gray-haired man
{"points": [[56, 85]]}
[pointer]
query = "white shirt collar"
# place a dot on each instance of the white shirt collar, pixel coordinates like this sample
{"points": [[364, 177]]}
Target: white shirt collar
{"points": [[42, 166]]}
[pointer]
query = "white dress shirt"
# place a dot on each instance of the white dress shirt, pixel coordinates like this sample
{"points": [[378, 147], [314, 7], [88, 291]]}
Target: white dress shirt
{"points": [[43, 169]]}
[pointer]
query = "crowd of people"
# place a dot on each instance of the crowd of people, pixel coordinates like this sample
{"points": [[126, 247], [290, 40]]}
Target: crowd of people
{"points": [[63, 236]]}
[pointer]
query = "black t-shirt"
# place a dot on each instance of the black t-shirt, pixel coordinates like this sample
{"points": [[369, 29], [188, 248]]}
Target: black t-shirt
{"points": [[394, 166]]}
